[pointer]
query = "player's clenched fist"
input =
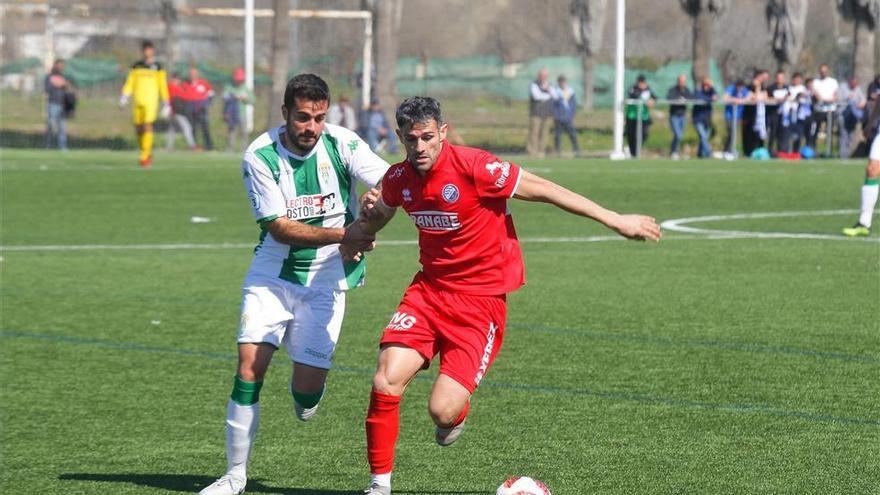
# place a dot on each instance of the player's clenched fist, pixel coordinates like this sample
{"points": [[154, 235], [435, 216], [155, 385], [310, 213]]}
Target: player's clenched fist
{"points": [[368, 203]]}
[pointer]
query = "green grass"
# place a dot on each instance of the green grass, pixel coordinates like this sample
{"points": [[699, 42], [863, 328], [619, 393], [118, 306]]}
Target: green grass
{"points": [[699, 365]]}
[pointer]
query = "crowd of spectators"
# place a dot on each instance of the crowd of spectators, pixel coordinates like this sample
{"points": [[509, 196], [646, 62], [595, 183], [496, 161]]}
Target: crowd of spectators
{"points": [[778, 118]]}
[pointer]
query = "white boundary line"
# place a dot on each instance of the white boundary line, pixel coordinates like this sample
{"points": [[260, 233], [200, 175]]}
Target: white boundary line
{"points": [[679, 225], [674, 225]]}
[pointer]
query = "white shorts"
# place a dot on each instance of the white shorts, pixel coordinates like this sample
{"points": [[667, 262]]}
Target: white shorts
{"points": [[306, 320], [875, 149]]}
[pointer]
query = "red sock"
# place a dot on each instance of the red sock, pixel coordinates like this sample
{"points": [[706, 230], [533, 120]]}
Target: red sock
{"points": [[464, 412], [383, 423]]}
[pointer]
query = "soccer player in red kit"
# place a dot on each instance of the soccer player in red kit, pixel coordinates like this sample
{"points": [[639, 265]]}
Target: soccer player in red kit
{"points": [[456, 305]]}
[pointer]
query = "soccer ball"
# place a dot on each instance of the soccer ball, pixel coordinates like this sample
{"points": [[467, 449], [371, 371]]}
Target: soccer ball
{"points": [[522, 485]]}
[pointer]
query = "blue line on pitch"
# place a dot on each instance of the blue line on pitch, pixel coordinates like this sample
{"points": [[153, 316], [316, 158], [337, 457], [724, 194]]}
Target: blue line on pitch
{"points": [[612, 396], [712, 344]]}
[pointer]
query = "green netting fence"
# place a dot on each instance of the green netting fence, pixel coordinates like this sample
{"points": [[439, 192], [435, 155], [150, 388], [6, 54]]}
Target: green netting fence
{"points": [[470, 76]]}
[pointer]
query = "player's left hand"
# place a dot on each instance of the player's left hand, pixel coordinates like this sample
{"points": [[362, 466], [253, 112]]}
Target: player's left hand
{"points": [[637, 227], [166, 110]]}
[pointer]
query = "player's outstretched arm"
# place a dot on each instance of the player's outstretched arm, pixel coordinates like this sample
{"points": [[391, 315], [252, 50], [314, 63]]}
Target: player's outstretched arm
{"points": [[296, 233], [534, 188]]}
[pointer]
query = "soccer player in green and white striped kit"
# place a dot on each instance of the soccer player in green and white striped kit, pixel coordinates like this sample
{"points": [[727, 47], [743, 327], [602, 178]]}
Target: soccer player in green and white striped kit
{"points": [[300, 179]]}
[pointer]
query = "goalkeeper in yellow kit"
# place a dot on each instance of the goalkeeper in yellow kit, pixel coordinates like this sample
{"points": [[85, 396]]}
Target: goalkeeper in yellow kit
{"points": [[145, 87]]}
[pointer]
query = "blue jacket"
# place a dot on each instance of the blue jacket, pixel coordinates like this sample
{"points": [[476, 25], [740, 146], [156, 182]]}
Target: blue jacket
{"points": [[564, 104], [728, 109]]}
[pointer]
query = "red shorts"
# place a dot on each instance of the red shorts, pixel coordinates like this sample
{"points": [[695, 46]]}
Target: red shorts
{"points": [[467, 330]]}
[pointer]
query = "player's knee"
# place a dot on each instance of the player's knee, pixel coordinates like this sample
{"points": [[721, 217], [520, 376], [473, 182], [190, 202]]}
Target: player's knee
{"points": [[443, 412], [873, 170], [249, 371], [385, 384]]}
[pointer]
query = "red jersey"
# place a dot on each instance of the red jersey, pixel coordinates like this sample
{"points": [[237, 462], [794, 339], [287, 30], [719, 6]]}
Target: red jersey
{"points": [[467, 241]]}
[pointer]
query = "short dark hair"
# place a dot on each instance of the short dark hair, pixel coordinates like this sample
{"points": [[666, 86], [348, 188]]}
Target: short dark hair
{"points": [[418, 109], [306, 87], [147, 44], [641, 78], [797, 74]]}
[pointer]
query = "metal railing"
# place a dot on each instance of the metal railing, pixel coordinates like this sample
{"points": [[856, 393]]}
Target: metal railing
{"points": [[830, 110]]}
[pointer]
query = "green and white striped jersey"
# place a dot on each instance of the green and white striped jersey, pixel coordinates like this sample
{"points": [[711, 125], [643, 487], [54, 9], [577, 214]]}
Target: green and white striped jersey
{"points": [[317, 189]]}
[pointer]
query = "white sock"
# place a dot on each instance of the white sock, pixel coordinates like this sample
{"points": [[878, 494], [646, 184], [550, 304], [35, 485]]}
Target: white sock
{"points": [[241, 429], [869, 200], [381, 479]]}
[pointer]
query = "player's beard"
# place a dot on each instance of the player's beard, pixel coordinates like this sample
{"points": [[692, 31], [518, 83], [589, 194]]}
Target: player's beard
{"points": [[301, 143]]}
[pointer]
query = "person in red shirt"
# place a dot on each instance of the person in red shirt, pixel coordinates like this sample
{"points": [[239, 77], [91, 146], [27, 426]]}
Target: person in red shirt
{"points": [[198, 93], [470, 256]]}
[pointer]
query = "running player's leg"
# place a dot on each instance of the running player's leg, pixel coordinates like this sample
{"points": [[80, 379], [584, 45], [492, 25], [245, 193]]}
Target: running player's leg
{"points": [[311, 342], [264, 320], [397, 366], [472, 333], [870, 190], [150, 112], [407, 346]]}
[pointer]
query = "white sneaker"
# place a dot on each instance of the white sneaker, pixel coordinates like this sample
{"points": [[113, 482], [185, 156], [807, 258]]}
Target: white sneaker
{"points": [[375, 489], [304, 414], [447, 436], [226, 485]]}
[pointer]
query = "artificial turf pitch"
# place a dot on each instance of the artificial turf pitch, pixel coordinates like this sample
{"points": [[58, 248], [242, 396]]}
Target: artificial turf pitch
{"points": [[710, 363]]}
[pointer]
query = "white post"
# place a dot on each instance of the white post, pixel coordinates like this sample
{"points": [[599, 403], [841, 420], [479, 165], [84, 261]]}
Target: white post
{"points": [[367, 68], [249, 61], [617, 153]]}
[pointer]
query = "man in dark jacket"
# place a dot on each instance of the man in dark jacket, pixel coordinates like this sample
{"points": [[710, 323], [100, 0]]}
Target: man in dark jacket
{"points": [[564, 107], [678, 114]]}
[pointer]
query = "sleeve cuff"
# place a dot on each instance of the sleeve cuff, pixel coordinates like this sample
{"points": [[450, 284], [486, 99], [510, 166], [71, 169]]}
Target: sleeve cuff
{"points": [[268, 219]]}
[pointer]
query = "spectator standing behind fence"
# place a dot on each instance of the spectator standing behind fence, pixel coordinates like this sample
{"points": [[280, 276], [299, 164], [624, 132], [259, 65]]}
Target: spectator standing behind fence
{"points": [[754, 116], [58, 87], [824, 92], [777, 93], [564, 108], [380, 136], [873, 92], [179, 119], [734, 96], [342, 114], [794, 111], [235, 98], [635, 111], [678, 114], [199, 93], [540, 114], [702, 115], [852, 103]]}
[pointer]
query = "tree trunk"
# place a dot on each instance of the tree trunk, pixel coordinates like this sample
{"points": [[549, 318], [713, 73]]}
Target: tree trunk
{"points": [[280, 28], [387, 14], [588, 62], [863, 52], [172, 44], [702, 45]]}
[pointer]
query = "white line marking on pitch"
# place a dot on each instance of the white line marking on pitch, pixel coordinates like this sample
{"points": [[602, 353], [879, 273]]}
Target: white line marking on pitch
{"points": [[680, 225], [674, 225]]}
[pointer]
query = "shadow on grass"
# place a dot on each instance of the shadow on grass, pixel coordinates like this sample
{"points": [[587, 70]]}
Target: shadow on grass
{"points": [[188, 483]]}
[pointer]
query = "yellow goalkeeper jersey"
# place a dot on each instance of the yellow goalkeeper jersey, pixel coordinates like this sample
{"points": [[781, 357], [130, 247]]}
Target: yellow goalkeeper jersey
{"points": [[146, 83]]}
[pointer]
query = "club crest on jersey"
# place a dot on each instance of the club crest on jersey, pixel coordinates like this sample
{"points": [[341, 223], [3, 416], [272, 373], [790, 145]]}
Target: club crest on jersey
{"points": [[504, 167], [311, 206], [324, 170], [450, 193], [407, 195], [435, 220]]}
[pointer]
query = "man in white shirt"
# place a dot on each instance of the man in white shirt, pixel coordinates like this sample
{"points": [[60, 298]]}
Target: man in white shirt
{"points": [[825, 95], [342, 114], [540, 114]]}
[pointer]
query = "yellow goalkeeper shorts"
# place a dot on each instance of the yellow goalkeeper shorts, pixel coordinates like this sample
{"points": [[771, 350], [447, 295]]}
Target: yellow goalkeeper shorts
{"points": [[144, 114]]}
